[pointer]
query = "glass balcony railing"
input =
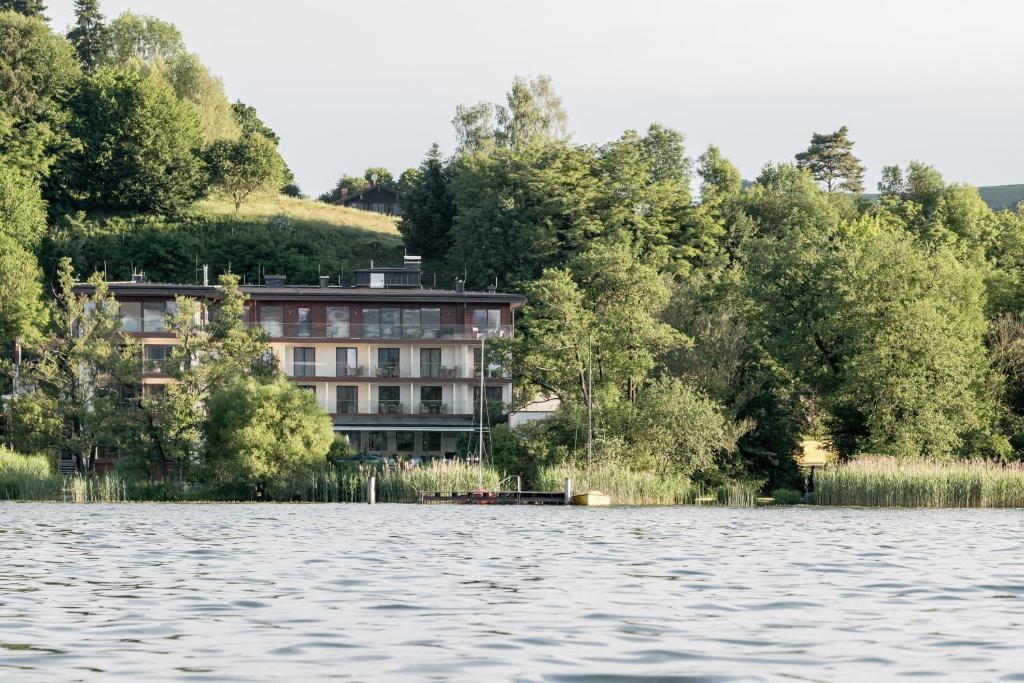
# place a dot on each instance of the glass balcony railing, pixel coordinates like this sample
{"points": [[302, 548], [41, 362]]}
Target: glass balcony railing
{"points": [[276, 330], [390, 408], [433, 408], [438, 370], [325, 370]]}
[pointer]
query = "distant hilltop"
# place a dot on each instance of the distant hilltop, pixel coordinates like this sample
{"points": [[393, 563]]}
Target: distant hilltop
{"points": [[998, 197]]}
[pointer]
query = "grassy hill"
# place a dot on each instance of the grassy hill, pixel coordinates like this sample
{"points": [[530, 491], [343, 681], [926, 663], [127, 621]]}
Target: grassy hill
{"points": [[299, 238], [1000, 197]]}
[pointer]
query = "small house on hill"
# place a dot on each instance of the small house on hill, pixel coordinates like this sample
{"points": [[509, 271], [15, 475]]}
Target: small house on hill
{"points": [[375, 198]]}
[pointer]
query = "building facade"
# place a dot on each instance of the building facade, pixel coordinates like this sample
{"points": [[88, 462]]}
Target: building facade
{"points": [[397, 366], [376, 198]]}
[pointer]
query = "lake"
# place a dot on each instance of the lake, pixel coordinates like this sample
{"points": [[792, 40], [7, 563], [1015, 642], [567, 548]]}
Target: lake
{"points": [[293, 592]]}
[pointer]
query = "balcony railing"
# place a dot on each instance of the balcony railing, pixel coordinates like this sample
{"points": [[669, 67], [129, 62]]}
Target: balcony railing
{"points": [[155, 366], [438, 370], [342, 370], [387, 371], [331, 370], [369, 331], [433, 408], [390, 408], [347, 407]]}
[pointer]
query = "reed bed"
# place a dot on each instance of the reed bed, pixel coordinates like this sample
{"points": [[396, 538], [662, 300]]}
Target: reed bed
{"points": [[629, 487], [29, 477], [398, 484], [881, 481]]}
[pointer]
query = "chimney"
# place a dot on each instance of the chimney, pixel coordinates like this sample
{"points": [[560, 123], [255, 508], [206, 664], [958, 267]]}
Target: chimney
{"points": [[206, 275], [344, 193], [460, 286], [325, 281], [274, 280]]}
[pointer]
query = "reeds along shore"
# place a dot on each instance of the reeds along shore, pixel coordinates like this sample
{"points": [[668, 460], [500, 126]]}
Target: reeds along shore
{"points": [[880, 481]]}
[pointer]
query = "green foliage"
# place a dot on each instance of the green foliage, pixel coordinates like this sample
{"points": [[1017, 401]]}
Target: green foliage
{"points": [[22, 212], [264, 431], [28, 8], [143, 38], [21, 307], [89, 35], [534, 114], [242, 167], [138, 147], [830, 160], [428, 208], [787, 497], [37, 70]]}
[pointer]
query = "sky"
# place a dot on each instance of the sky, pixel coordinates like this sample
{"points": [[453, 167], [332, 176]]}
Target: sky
{"points": [[349, 85]]}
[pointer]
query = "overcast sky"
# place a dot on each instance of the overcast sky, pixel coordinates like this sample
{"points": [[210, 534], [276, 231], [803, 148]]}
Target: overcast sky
{"points": [[349, 85]]}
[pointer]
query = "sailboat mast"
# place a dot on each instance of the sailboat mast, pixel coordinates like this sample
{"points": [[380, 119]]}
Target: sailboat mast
{"points": [[480, 451], [590, 408]]}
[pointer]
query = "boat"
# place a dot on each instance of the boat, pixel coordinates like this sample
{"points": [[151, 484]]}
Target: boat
{"points": [[592, 499]]}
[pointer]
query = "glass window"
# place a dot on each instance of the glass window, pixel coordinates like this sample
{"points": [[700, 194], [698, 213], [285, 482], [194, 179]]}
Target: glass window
{"points": [[432, 442], [311, 388], [493, 402], [389, 400], [388, 362], [347, 362], [405, 441], [371, 322], [390, 323], [153, 316], [305, 322], [155, 358], [304, 361], [337, 322], [378, 441], [354, 439], [154, 390], [430, 363], [430, 322], [487, 319], [430, 401], [131, 316], [272, 320], [411, 323], [348, 400]]}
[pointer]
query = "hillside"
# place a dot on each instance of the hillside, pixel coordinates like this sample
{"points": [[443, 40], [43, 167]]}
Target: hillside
{"points": [[299, 238], [1000, 197]]}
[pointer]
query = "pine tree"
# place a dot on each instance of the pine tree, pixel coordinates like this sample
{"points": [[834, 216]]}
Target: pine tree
{"points": [[830, 160], [89, 34], [30, 8]]}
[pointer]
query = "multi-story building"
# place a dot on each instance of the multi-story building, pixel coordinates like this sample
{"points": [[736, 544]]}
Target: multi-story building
{"points": [[395, 364]]}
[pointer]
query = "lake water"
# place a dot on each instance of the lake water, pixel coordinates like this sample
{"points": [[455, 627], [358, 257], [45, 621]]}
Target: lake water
{"points": [[297, 592]]}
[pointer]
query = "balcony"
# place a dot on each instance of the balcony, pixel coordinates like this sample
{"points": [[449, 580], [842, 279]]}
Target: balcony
{"points": [[390, 408], [331, 370], [439, 371], [375, 332]]}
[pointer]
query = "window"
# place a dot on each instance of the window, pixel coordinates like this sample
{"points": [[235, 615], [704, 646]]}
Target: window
{"points": [[155, 358], [430, 401], [337, 322], [272, 320], [432, 442], [411, 323], [389, 400], [494, 404], [388, 362], [371, 322], [348, 400], [430, 363], [311, 388], [405, 441], [155, 391], [354, 439], [391, 323], [305, 322], [378, 441], [304, 361], [346, 362], [131, 316], [153, 313], [430, 320], [491, 369], [487, 319]]}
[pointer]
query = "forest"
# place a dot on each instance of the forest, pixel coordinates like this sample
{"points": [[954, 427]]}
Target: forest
{"points": [[713, 322]]}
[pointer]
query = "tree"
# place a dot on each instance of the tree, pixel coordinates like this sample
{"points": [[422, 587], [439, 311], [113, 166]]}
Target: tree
{"points": [[75, 380], [244, 166], [474, 127], [534, 113], [143, 38], [29, 8], [347, 185], [249, 122], [89, 34], [22, 212], [21, 307], [428, 209], [830, 160], [138, 147], [265, 432], [37, 71], [379, 176]]}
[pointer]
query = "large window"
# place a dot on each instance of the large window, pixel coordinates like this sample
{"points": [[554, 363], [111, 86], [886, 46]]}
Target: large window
{"points": [[155, 358], [347, 362], [337, 322], [493, 402], [131, 316], [371, 323], [272, 320], [348, 400], [405, 441], [390, 323], [354, 439], [430, 321], [430, 401], [432, 442], [389, 400], [305, 319], [411, 323], [153, 313], [378, 441], [304, 361], [388, 362], [487, 319], [430, 363]]}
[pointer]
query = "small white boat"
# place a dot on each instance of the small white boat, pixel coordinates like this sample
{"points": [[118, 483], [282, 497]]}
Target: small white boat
{"points": [[592, 499]]}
